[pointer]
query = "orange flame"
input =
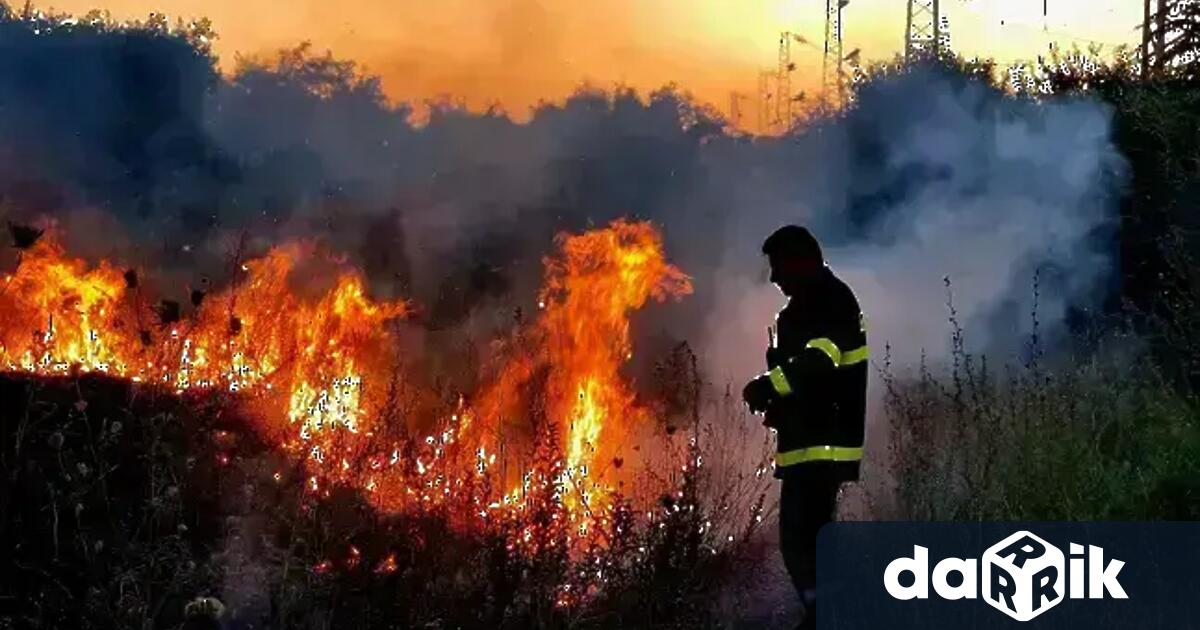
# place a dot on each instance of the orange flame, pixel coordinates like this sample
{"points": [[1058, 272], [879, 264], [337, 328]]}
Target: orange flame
{"points": [[591, 290], [317, 371], [56, 314], [579, 343]]}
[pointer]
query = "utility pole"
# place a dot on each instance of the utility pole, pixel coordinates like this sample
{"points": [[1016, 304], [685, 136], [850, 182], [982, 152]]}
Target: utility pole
{"points": [[1145, 38], [833, 77], [1160, 35], [937, 29], [922, 35], [783, 82]]}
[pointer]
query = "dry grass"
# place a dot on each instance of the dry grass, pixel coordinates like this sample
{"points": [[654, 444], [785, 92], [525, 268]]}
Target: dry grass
{"points": [[122, 504]]}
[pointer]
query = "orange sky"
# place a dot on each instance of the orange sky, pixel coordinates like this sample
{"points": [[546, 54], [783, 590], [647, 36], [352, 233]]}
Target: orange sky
{"points": [[519, 51]]}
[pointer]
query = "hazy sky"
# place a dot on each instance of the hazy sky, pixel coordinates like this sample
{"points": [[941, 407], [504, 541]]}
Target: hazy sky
{"points": [[516, 52]]}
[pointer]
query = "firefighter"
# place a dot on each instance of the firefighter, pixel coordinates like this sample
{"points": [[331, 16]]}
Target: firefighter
{"points": [[813, 395]]}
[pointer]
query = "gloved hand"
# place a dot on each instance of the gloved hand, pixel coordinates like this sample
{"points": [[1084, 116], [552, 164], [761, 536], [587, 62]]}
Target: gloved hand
{"points": [[759, 394]]}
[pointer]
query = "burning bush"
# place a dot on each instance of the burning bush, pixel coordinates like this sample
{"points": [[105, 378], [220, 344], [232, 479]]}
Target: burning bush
{"points": [[528, 502]]}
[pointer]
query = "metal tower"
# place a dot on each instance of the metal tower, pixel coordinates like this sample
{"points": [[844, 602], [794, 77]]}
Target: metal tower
{"points": [[1154, 34], [783, 82], [1160, 33], [833, 77], [923, 34], [1170, 33], [1145, 38]]}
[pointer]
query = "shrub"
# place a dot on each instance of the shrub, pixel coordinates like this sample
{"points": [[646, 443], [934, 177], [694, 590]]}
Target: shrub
{"points": [[1098, 435]]}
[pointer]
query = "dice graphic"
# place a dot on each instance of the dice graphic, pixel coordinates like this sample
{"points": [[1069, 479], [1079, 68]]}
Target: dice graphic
{"points": [[1023, 576]]}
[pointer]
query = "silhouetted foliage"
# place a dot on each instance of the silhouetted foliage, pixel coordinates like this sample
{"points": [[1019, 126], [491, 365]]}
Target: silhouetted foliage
{"points": [[23, 236]]}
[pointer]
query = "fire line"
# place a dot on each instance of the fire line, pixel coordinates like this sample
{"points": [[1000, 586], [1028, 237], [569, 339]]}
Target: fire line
{"points": [[316, 373]]}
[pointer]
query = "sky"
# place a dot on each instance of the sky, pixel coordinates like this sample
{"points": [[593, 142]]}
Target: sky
{"points": [[517, 52]]}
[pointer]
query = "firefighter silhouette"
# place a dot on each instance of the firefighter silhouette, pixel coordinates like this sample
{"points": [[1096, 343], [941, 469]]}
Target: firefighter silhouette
{"points": [[814, 396]]}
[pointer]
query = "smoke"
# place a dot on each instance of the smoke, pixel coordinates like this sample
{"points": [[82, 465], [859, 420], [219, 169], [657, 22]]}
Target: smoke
{"points": [[936, 185], [134, 143]]}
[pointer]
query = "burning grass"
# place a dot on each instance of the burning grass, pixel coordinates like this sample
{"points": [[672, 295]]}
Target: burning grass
{"points": [[520, 504]]}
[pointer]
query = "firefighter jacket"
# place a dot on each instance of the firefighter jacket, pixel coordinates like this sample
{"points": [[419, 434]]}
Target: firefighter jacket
{"points": [[818, 370]]}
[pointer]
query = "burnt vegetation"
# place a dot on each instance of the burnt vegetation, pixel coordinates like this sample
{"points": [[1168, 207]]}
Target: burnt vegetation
{"points": [[122, 503]]}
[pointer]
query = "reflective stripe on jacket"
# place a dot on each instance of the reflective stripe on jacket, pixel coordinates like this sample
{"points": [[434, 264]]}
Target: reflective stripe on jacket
{"points": [[818, 368]]}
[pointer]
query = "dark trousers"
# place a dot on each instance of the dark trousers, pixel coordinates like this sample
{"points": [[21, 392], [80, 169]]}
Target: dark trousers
{"points": [[807, 500]]}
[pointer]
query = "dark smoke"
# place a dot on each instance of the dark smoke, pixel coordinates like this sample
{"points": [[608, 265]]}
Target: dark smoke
{"points": [[137, 146], [141, 151]]}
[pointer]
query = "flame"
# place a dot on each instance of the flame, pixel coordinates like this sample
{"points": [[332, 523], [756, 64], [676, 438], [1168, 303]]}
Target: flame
{"points": [[318, 373], [55, 311], [581, 339], [591, 289]]}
